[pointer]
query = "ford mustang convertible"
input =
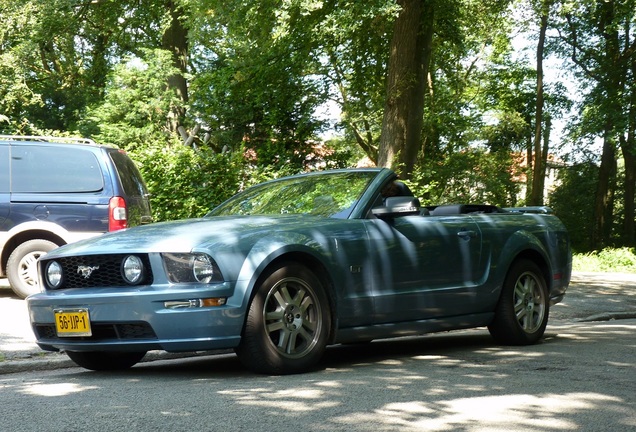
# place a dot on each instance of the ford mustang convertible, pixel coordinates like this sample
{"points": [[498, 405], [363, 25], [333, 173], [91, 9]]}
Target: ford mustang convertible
{"points": [[290, 266]]}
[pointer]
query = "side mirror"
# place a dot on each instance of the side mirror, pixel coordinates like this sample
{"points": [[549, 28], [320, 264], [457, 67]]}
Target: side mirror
{"points": [[397, 206]]}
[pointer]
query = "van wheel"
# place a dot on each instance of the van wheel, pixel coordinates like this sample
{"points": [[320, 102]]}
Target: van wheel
{"points": [[22, 268]]}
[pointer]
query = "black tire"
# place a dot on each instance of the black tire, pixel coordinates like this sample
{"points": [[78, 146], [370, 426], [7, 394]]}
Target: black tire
{"points": [[106, 360], [522, 312], [22, 266], [288, 323]]}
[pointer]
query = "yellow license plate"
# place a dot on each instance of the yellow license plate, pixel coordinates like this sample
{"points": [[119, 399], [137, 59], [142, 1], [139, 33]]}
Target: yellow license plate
{"points": [[70, 323]]}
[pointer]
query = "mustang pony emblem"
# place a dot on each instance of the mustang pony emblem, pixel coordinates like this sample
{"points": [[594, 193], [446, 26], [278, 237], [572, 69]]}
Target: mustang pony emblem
{"points": [[86, 271]]}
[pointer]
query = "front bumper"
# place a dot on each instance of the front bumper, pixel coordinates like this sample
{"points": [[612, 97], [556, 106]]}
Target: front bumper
{"points": [[138, 319]]}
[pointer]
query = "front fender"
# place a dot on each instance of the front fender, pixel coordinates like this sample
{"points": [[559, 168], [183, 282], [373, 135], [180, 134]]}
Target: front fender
{"points": [[269, 249]]}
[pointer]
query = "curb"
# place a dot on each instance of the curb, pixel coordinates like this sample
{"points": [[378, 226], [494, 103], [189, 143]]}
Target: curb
{"points": [[45, 362], [609, 316]]}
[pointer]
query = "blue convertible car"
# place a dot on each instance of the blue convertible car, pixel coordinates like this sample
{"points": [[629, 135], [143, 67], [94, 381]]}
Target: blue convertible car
{"points": [[285, 268]]}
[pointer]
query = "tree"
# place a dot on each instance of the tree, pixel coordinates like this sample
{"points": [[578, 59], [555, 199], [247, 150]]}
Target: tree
{"points": [[137, 103], [571, 203], [354, 37], [175, 40], [57, 71], [598, 38], [409, 61], [255, 83], [539, 162]]}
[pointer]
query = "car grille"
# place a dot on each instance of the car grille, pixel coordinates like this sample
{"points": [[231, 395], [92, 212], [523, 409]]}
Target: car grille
{"points": [[102, 332], [105, 271]]}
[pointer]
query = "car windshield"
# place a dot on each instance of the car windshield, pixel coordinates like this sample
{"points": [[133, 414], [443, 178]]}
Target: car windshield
{"points": [[331, 194]]}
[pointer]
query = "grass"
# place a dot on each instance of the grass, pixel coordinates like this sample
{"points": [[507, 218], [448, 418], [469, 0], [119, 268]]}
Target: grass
{"points": [[622, 260]]}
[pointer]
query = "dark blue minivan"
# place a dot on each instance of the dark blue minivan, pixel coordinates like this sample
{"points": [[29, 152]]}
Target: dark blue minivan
{"points": [[55, 191]]}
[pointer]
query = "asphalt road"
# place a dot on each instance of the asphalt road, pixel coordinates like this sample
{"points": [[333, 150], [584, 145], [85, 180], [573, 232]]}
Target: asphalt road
{"points": [[582, 377]]}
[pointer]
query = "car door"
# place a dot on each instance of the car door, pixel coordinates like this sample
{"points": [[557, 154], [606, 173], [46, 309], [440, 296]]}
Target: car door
{"points": [[425, 266]]}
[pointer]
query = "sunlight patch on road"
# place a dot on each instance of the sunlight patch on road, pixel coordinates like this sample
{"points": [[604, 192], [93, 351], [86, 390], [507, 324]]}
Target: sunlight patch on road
{"points": [[506, 412], [294, 400], [61, 389]]}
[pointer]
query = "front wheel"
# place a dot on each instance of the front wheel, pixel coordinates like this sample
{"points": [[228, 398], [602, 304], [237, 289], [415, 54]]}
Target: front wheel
{"points": [[288, 323], [105, 360], [22, 268], [522, 312]]}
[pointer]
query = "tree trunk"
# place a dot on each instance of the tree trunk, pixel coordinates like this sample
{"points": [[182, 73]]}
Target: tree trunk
{"points": [[544, 155], [628, 147], [406, 84], [528, 170], [536, 197], [414, 144], [175, 40], [611, 82], [629, 155], [604, 192]]}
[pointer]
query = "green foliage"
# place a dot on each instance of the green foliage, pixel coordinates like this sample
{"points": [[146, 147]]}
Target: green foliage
{"points": [[256, 87], [183, 181], [261, 70], [50, 71], [352, 41], [186, 183], [622, 260], [55, 55], [470, 176], [572, 201], [136, 104]]}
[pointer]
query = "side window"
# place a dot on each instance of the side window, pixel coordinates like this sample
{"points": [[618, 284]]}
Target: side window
{"points": [[129, 175], [4, 168], [52, 169]]}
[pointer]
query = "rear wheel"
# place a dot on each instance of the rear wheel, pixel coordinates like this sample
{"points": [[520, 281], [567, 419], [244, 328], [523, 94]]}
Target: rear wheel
{"points": [[22, 268], [105, 361], [288, 323], [522, 313]]}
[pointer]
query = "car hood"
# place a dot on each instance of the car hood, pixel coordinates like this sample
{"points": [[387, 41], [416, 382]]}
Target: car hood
{"points": [[191, 234]]}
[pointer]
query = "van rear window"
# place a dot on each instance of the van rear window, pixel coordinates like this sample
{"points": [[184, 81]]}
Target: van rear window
{"points": [[51, 169], [129, 175]]}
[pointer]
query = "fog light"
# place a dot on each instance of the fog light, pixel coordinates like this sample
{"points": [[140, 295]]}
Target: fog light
{"points": [[54, 274], [132, 269]]}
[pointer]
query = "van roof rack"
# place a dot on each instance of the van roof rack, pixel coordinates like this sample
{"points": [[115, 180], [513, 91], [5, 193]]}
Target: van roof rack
{"points": [[47, 139]]}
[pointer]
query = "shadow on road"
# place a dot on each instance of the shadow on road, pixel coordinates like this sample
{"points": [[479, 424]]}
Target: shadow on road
{"points": [[455, 381]]}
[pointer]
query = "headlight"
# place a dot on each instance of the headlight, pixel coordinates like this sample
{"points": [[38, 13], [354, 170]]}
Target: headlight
{"points": [[132, 269], [188, 268], [203, 269], [53, 274]]}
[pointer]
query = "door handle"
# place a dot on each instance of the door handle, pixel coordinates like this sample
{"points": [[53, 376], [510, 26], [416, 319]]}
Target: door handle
{"points": [[467, 234]]}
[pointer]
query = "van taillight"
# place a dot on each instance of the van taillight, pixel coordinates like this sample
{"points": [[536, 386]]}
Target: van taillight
{"points": [[117, 214]]}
